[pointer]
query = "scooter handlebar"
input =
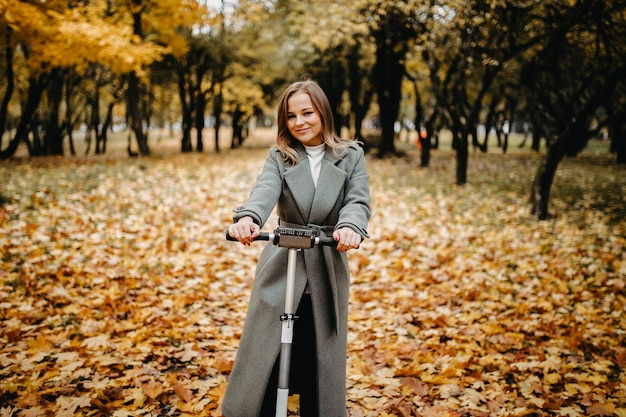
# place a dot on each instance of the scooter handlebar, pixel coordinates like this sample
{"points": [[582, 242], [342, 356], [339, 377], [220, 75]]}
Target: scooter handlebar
{"points": [[262, 236], [292, 238]]}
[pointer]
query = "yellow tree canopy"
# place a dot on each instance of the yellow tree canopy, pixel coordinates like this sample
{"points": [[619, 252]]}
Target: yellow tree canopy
{"points": [[51, 35]]}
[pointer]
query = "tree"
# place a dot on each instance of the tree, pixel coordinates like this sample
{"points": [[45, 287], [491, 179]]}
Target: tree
{"points": [[242, 97], [10, 82], [190, 69], [14, 36], [102, 77], [577, 72], [234, 55], [360, 89], [329, 40], [52, 39], [393, 28], [427, 112], [617, 125], [466, 46]]}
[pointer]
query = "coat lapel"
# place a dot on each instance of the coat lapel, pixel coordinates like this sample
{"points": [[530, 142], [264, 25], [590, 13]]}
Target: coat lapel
{"points": [[329, 187], [300, 183]]}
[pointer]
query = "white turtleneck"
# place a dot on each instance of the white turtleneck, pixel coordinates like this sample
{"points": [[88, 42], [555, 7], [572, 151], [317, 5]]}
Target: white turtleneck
{"points": [[315, 154]]}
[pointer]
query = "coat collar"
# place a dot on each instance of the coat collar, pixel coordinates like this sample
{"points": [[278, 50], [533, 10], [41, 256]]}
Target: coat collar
{"points": [[314, 204]]}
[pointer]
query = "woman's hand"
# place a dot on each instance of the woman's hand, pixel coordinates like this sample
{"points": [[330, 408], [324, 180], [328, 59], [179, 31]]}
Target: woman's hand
{"points": [[346, 239], [245, 230]]}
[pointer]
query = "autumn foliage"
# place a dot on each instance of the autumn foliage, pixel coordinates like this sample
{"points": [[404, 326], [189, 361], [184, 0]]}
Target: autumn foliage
{"points": [[119, 295]]}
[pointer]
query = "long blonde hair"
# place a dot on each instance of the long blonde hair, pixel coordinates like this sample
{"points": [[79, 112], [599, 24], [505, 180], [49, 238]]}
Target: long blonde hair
{"points": [[287, 143]]}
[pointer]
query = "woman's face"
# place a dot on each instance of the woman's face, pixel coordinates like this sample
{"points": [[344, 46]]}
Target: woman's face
{"points": [[303, 121]]}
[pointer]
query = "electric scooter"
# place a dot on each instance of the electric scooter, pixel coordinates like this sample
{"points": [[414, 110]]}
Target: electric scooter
{"points": [[294, 240]]}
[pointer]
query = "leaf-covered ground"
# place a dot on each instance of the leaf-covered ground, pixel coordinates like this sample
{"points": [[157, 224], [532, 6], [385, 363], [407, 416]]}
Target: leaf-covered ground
{"points": [[119, 295]]}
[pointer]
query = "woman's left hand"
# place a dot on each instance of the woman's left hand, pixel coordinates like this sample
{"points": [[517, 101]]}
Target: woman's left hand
{"points": [[346, 239]]}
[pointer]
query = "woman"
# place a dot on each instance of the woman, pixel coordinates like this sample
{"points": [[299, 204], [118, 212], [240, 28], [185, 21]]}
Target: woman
{"points": [[319, 181]]}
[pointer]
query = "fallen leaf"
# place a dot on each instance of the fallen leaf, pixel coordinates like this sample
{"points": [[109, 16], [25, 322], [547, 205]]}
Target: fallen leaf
{"points": [[152, 388]]}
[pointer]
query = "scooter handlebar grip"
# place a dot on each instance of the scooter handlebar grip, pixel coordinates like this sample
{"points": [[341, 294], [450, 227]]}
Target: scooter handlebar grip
{"points": [[262, 236], [326, 241]]}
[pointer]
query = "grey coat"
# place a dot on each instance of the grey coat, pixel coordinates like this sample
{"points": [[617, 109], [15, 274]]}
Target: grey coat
{"points": [[341, 199]]}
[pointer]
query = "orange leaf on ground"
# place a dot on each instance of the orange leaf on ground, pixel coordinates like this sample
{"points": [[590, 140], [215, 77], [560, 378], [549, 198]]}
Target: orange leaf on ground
{"points": [[152, 388], [182, 390]]}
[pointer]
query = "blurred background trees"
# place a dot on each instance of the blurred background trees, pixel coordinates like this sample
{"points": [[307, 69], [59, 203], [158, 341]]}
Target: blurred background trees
{"points": [[553, 69]]}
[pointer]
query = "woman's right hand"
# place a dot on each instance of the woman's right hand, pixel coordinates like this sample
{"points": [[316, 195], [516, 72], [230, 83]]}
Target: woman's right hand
{"points": [[245, 230]]}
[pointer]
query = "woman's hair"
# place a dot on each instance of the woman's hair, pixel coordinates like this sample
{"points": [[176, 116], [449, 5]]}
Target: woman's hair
{"points": [[287, 143]]}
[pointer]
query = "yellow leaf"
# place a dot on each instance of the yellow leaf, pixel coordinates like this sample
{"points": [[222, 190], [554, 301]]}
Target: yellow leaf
{"points": [[293, 403], [96, 342], [41, 343], [218, 392], [137, 396], [552, 378], [69, 405], [570, 411]]}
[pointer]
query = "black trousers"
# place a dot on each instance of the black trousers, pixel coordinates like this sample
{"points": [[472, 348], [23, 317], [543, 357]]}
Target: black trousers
{"points": [[303, 371]]}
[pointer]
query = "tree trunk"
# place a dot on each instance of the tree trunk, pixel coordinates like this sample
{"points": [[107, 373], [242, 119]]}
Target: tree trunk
{"points": [[134, 90], [360, 96], [36, 148], [423, 126], [388, 91], [10, 84], [425, 144], [490, 121], [542, 184], [505, 142], [388, 72], [621, 151], [217, 114], [89, 133], [185, 141], [53, 135], [511, 108], [101, 136], [475, 142], [135, 114], [94, 119], [617, 133], [70, 141], [36, 87], [184, 92], [199, 113], [462, 155], [332, 80], [68, 124], [237, 139]]}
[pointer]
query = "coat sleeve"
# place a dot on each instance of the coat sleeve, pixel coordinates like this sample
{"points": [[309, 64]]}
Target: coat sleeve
{"points": [[265, 193], [356, 209]]}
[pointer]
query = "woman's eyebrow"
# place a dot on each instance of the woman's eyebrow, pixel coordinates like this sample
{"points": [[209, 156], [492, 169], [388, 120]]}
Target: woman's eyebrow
{"points": [[302, 109]]}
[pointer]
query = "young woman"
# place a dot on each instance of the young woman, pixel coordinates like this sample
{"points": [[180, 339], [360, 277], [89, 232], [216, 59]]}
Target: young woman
{"points": [[316, 180]]}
